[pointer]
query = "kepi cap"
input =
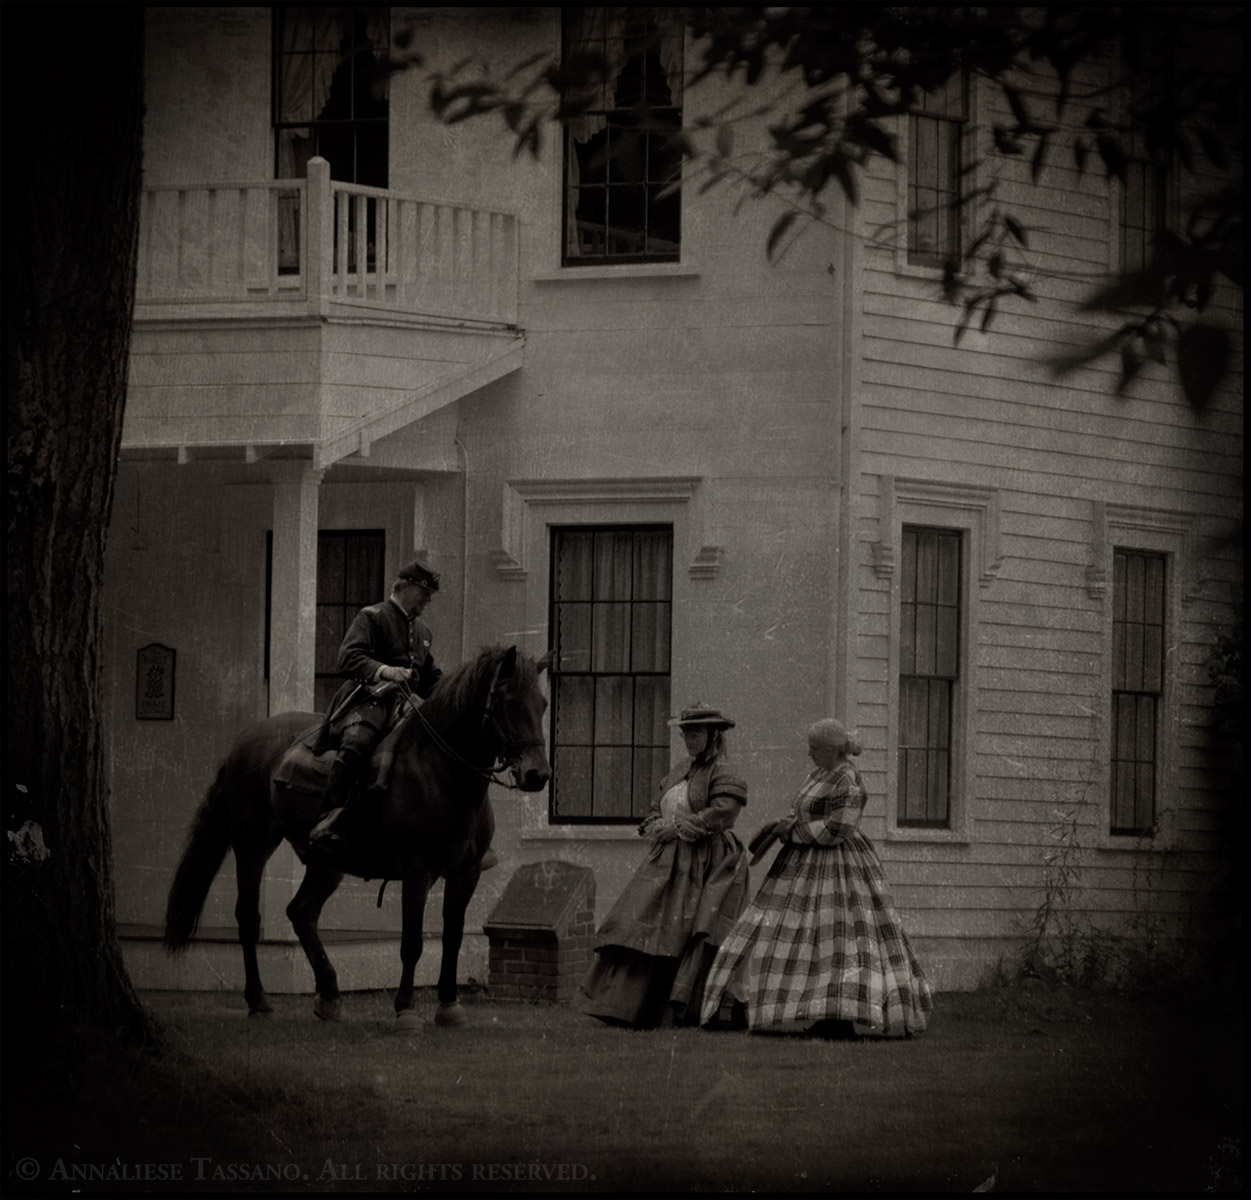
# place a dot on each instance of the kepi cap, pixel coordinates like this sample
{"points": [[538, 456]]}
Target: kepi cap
{"points": [[418, 572]]}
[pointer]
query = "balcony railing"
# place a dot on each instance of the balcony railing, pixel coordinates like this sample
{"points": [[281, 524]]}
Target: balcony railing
{"points": [[319, 245]]}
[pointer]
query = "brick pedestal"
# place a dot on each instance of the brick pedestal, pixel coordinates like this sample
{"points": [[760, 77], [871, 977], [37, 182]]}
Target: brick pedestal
{"points": [[541, 932]]}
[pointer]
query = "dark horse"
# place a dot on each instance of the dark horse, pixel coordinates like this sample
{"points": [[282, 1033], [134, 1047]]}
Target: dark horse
{"points": [[435, 821]]}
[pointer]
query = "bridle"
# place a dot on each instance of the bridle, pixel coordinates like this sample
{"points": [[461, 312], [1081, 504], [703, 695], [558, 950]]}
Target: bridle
{"points": [[508, 757]]}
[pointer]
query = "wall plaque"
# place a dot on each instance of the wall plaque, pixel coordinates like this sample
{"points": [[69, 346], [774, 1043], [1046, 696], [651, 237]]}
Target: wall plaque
{"points": [[154, 683]]}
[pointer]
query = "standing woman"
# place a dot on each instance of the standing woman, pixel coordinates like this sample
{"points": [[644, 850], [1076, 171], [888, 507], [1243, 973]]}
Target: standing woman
{"points": [[821, 945], [654, 949]]}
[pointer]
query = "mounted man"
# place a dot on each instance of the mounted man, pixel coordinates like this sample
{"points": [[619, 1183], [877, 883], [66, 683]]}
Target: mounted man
{"points": [[386, 647]]}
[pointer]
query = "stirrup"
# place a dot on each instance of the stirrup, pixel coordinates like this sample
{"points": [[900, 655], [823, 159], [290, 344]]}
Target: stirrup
{"points": [[322, 828]]}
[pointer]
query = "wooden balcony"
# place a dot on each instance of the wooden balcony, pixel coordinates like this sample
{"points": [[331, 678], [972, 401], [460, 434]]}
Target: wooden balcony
{"points": [[310, 245], [313, 316]]}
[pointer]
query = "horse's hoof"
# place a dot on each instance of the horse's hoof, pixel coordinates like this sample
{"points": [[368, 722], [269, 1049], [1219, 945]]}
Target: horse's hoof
{"points": [[450, 1014], [406, 1021], [328, 1010], [261, 1010]]}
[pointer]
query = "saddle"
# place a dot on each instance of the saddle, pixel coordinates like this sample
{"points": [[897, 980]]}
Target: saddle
{"points": [[305, 767]]}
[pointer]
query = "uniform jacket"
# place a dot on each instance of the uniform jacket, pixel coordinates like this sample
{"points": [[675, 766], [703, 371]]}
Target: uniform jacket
{"points": [[381, 635]]}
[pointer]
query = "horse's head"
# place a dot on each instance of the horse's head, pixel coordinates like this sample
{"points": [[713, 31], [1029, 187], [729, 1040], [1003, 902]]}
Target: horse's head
{"points": [[514, 718]]}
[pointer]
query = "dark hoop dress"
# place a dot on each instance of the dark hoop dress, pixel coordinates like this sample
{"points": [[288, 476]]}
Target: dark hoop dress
{"points": [[657, 943]]}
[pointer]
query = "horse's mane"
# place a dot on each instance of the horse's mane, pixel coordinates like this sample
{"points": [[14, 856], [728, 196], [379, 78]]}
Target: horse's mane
{"points": [[457, 693]]}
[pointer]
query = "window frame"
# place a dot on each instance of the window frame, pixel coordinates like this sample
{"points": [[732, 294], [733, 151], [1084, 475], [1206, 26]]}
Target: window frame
{"points": [[974, 513], [349, 609], [346, 608], [965, 182], [570, 261], [354, 124], [528, 508], [558, 674], [1171, 536], [951, 678], [1165, 177], [1124, 663]]}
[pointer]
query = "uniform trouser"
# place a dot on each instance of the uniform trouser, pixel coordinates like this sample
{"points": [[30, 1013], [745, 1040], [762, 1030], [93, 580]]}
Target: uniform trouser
{"points": [[356, 745]]}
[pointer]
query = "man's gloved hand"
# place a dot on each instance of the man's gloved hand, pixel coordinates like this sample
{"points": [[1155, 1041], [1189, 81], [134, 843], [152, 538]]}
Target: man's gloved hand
{"points": [[395, 674]]}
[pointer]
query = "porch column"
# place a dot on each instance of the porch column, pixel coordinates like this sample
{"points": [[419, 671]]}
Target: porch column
{"points": [[293, 590], [292, 663]]}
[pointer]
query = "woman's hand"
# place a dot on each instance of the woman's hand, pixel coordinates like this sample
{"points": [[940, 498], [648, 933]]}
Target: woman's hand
{"points": [[782, 827], [666, 831]]}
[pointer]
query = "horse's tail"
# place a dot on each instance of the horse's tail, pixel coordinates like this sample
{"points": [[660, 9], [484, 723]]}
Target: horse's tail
{"points": [[207, 843]]}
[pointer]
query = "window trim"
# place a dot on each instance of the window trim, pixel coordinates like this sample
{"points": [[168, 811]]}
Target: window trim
{"points": [[553, 530], [529, 508], [975, 149], [1123, 527], [277, 16], [614, 267], [975, 513], [1116, 189]]}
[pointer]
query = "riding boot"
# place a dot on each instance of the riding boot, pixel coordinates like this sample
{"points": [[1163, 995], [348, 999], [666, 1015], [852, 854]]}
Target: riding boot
{"points": [[327, 834]]}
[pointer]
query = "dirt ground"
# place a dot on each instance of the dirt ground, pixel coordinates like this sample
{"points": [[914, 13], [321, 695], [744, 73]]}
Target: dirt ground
{"points": [[1028, 1089]]}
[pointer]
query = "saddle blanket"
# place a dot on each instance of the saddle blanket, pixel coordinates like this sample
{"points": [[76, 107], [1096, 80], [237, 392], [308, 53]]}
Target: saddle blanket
{"points": [[303, 770]]}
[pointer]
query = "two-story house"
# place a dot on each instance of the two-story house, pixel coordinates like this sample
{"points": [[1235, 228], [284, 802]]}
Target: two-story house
{"points": [[593, 404]]}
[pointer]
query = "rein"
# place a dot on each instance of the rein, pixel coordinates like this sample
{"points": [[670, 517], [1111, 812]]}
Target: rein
{"points": [[488, 774]]}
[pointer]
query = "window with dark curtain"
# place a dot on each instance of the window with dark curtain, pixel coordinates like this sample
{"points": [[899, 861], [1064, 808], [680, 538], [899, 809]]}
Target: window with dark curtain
{"points": [[936, 132], [1137, 687], [929, 670], [622, 170], [350, 575], [611, 616]]}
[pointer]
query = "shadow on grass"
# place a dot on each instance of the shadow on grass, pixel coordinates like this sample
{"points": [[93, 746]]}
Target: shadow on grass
{"points": [[1023, 1089]]}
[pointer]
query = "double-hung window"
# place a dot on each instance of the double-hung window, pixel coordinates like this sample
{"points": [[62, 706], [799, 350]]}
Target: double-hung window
{"points": [[936, 149], [611, 619], [929, 674], [1143, 201], [1138, 583], [330, 98], [622, 166]]}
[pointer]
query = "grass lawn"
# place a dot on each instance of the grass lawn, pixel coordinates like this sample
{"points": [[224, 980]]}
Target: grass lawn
{"points": [[1040, 1089]]}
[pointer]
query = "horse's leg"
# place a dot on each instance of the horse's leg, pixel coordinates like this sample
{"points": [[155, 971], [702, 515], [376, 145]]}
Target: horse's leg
{"points": [[304, 910], [249, 867], [458, 890], [415, 889]]}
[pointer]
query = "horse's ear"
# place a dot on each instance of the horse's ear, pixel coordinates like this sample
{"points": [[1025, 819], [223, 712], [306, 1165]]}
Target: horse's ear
{"points": [[507, 666], [546, 663]]}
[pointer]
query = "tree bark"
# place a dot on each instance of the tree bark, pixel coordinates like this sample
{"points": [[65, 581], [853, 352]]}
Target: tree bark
{"points": [[74, 90]]}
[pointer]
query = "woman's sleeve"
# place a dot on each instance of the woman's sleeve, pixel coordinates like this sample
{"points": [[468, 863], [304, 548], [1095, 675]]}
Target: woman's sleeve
{"points": [[727, 794], [835, 817], [653, 818]]}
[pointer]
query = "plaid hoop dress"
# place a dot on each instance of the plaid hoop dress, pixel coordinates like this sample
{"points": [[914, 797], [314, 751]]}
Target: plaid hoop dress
{"points": [[822, 940]]}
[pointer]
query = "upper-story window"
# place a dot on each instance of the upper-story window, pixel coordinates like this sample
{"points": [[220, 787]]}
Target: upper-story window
{"points": [[330, 91], [936, 148], [1143, 205], [612, 608], [1138, 590], [622, 202]]}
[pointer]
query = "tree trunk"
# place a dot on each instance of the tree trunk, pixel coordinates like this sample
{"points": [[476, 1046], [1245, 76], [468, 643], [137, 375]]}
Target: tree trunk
{"points": [[74, 87]]}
